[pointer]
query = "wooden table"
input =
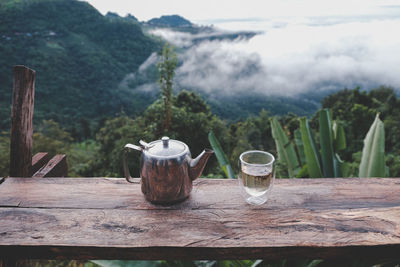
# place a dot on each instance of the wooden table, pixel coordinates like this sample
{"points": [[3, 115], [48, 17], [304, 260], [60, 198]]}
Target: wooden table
{"points": [[107, 218]]}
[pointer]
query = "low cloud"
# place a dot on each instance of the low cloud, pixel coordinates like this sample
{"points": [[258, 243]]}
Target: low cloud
{"points": [[181, 39], [292, 58]]}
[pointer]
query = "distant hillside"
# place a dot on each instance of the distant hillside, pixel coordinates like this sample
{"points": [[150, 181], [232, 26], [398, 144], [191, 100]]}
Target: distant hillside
{"points": [[80, 57], [87, 64], [170, 21]]}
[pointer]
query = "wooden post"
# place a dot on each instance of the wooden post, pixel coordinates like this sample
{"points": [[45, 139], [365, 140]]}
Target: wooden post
{"points": [[21, 122]]}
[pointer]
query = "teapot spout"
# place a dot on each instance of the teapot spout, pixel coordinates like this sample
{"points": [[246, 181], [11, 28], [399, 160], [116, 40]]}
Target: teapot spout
{"points": [[197, 165]]}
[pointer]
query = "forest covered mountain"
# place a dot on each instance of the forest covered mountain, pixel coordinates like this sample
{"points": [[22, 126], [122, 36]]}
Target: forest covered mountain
{"points": [[81, 58], [170, 21]]}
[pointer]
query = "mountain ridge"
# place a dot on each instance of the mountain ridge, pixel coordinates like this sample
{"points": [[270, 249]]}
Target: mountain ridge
{"points": [[79, 56], [170, 21]]}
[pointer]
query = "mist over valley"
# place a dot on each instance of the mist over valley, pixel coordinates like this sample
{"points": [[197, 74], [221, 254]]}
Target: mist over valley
{"points": [[302, 59], [99, 65]]}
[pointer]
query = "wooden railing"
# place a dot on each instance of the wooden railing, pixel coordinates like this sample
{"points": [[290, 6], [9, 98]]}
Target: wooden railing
{"points": [[22, 164], [342, 219]]}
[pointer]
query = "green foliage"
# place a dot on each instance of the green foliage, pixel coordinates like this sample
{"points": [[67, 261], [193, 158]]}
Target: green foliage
{"points": [[170, 21], [79, 55], [324, 162], [332, 140], [299, 146], [187, 126], [326, 141], [373, 154], [80, 156], [339, 137], [254, 133], [310, 151], [241, 106], [49, 137], [111, 138], [356, 110], [166, 68], [219, 153], [80, 58], [393, 162], [286, 151], [4, 154]]}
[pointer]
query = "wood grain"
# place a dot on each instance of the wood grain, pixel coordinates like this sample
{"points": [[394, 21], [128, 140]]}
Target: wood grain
{"points": [[56, 167], [116, 193], [21, 121], [38, 161], [107, 218]]}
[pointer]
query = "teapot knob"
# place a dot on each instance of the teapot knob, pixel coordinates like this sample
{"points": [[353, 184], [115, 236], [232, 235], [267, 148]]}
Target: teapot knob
{"points": [[165, 141]]}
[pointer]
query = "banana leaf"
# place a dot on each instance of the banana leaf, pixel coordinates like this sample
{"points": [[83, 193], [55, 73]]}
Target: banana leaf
{"points": [[339, 137], [285, 148], [312, 157], [326, 141], [299, 146], [340, 167], [221, 157], [373, 153]]}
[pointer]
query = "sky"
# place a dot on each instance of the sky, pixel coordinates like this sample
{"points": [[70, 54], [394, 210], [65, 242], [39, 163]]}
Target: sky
{"points": [[208, 10], [303, 46]]}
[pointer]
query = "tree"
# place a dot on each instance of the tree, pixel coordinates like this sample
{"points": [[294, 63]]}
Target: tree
{"points": [[166, 68], [50, 137], [191, 120]]}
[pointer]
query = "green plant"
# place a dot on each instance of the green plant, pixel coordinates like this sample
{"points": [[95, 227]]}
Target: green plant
{"points": [[373, 153], [326, 162], [309, 159], [166, 68], [310, 151], [285, 148], [219, 153]]}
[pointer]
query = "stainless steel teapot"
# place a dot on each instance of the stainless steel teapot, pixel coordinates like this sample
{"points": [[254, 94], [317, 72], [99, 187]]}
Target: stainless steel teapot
{"points": [[167, 169]]}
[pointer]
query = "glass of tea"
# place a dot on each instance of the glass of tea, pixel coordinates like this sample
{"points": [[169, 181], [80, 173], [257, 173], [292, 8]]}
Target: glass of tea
{"points": [[256, 175]]}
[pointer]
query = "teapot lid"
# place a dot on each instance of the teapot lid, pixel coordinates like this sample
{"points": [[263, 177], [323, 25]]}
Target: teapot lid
{"points": [[166, 147]]}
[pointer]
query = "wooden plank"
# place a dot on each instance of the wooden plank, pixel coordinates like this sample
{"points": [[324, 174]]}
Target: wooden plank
{"points": [[200, 234], [56, 167], [106, 218], [116, 193], [39, 160], [21, 121]]}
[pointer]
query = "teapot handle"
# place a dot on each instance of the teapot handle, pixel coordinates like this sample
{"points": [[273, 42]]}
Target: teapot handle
{"points": [[125, 162]]}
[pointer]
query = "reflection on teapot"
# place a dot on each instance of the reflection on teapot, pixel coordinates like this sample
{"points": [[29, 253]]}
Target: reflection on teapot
{"points": [[167, 169]]}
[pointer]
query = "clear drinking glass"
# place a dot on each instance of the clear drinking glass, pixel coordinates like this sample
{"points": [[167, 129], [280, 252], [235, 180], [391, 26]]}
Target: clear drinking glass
{"points": [[256, 175]]}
